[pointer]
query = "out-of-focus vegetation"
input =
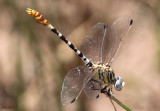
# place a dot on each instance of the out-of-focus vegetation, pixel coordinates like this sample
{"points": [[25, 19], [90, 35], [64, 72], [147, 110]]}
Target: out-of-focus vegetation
{"points": [[33, 61]]}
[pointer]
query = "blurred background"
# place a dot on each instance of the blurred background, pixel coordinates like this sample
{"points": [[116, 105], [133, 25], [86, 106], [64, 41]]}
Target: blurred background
{"points": [[34, 61]]}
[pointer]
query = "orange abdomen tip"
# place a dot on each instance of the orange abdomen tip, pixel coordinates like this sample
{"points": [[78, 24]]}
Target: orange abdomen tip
{"points": [[39, 18]]}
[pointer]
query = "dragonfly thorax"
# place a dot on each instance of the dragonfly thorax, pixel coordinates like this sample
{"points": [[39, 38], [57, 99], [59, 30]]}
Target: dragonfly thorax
{"points": [[106, 74]]}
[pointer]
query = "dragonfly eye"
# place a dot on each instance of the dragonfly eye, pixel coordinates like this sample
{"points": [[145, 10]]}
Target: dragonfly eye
{"points": [[119, 84]]}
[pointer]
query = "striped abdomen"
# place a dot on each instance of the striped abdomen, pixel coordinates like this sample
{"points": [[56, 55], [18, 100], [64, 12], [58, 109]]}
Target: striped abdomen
{"points": [[40, 19]]}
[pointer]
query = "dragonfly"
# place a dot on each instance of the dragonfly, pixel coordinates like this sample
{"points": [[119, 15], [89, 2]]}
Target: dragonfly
{"points": [[97, 50]]}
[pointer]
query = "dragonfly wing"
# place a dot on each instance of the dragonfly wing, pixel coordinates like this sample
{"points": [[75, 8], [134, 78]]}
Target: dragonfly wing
{"points": [[91, 43], [113, 37], [73, 84], [92, 88]]}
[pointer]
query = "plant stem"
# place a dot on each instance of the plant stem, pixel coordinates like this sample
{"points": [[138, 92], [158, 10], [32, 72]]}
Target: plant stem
{"points": [[120, 103], [117, 101]]}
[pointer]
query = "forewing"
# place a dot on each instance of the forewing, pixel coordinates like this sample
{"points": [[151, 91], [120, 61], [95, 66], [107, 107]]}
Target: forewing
{"points": [[91, 43], [73, 84], [113, 37]]}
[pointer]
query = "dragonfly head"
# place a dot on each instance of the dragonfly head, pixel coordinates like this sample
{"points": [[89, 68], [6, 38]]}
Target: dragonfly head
{"points": [[119, 83]]}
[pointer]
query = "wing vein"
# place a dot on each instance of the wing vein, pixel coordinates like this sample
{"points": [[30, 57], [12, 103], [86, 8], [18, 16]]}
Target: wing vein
{"points": [[102, 45]]}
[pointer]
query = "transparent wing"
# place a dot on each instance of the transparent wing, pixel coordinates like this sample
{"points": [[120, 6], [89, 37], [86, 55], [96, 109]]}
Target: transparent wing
{"points": [[73, 84], [113, 37], [92, 42], [93, 87]]}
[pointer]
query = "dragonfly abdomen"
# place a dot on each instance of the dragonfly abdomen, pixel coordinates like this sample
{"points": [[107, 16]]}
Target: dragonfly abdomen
{"points": [[40, 19]]}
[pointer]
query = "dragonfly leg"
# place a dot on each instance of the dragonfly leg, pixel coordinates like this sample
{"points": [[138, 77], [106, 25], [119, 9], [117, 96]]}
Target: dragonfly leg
{"points": [[103, 90], [107, 91], [92, 82]]}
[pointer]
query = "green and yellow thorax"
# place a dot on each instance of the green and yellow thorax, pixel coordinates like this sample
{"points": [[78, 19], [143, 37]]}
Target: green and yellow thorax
{"points": [[104, 73]]}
